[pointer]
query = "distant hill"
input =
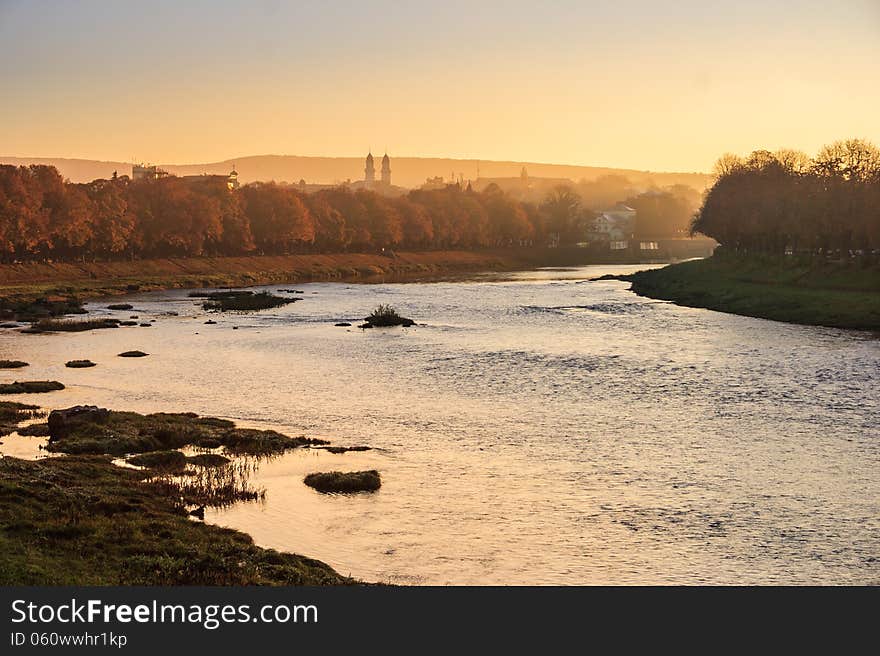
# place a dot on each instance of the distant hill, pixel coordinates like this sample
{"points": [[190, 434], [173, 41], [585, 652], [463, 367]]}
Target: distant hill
{"points": [[406, 171]]}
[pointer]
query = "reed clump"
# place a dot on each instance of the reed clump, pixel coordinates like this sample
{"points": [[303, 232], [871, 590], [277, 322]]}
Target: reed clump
{"points": [[12, 414], [385, 316], [212, 486]]}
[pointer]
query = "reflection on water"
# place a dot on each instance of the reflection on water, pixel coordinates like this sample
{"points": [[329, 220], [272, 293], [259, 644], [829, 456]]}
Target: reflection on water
{"points": [[541, 429]]}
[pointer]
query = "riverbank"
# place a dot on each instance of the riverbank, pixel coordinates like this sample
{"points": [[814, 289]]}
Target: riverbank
{"points": [[34, 289], [80, 520], [97, 279], [83, 520], [829, 294]]}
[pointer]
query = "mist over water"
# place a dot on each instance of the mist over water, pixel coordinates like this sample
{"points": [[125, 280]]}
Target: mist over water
{"points": [[537, 430]]}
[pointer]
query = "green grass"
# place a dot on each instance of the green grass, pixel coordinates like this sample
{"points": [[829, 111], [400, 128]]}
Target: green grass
{"points": [[161, 460], [121, 433], [242, 301], [12, 414], [79, 520], [824, 294], [35, 430], [344, 482]]}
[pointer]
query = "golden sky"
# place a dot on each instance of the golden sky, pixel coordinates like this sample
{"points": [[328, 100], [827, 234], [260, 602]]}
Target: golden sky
{"points": [[633, 84]]}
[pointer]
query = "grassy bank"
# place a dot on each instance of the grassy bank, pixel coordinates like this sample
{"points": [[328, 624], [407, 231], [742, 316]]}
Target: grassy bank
{"points": [[839, 295], [21, 282], [53, 285], [79, 520]]}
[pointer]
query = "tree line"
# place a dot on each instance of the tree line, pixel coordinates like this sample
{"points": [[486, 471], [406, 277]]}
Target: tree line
{"points": [[44, 217], [788, 202]]}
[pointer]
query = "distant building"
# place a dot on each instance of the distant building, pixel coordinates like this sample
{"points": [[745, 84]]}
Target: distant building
{"points": [[147, 172], [230, 180], [386, 172], [437, 182], [384, 185], [369, 172], [615, 226]]}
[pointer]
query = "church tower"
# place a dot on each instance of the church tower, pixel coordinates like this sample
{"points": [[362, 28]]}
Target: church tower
{"points": [[369, 172], [386, 171]]}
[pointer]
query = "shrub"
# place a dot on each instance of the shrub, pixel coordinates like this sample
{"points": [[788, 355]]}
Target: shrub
{"points": [[385, 316]]}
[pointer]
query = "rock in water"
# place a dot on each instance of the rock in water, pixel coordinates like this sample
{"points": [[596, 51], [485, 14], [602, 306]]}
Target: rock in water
{"points": [[61, 421]]}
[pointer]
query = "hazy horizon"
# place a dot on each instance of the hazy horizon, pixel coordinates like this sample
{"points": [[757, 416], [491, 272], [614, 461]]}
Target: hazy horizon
{"points": [[631, 85]]}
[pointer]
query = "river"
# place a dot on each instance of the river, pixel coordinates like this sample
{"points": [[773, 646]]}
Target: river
{"points": [[538, 428]]}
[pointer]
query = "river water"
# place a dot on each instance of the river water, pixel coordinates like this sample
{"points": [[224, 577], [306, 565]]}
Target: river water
{"points": [[537, 429]]}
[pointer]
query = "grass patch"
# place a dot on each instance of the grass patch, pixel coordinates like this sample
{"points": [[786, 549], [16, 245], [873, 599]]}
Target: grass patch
{"points": [[30, 387], [133, 354], [162, 460], [386, 316], [345, 449], [243, 301], [821, 293], [12, 364], [12, 414], [118, 433], [34, 430], [34, 309], [344, 482], [79, 364], [79, 520], [71, 326]]}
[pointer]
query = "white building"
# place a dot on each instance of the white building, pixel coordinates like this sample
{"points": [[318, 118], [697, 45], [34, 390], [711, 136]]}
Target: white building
{"points": [[614, 225]]}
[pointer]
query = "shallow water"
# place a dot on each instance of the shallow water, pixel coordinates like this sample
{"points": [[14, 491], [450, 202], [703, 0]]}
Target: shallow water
{"points": [[538, 430]]}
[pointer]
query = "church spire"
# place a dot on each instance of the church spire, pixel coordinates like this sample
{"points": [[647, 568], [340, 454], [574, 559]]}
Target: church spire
{"points": [[386, 171], [369, 171]]}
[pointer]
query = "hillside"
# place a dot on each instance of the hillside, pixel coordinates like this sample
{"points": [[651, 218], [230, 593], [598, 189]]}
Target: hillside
{"points": [[406, 171]]}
